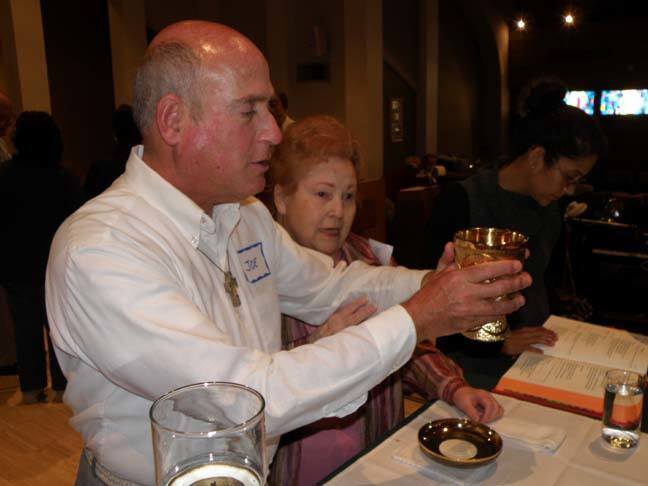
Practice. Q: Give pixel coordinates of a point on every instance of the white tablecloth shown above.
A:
(582, 459)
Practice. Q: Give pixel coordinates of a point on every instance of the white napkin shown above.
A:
(410, 453)
(539, 437)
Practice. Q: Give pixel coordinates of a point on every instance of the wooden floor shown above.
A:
(37, 446)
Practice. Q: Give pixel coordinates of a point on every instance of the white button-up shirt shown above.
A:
(137, 307)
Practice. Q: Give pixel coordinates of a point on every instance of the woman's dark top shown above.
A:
(480, 201)
(34, 201)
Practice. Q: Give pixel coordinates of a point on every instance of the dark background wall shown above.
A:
(459, 85)
(400, 71)
(247, 16)
(77, 46)
(607, 49)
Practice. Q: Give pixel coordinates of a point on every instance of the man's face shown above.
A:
(226, 151)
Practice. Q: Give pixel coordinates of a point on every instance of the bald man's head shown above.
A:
(6, 114)
(182, 58)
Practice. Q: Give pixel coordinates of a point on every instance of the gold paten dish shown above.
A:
(460, 442)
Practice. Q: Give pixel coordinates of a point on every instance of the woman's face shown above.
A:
(550, 182)
(320, 212)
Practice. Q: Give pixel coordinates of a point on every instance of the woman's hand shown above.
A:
(350, 314)
(479, 405)
(523, 339)
(447, 258)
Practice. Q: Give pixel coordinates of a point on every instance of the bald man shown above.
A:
(139, 284)
(6, 120)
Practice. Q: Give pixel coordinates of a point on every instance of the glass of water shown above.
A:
(209, 434)
(622, 406)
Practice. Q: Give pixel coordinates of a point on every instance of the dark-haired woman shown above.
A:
(36, 195)
(555, 145)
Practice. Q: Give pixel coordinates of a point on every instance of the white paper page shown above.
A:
(571, 376)
(601, 345)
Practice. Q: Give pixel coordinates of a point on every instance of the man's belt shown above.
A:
(104, 474)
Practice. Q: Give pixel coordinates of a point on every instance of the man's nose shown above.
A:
(271, 131)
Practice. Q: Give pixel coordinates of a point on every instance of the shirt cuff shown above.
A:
(349, 408)
(417, 279)
(394, 333)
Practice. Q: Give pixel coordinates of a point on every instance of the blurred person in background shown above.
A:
(125, 136)
(36, 195)
(278, 106)
(6, 121)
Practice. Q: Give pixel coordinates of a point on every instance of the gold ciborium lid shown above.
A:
(480, 245)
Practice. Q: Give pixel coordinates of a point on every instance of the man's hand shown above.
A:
(350, 314)
(452, 300)
(479, 405)
(523, 339)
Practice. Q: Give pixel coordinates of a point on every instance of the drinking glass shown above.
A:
(622, 407)
(209, 434)
(479, 245)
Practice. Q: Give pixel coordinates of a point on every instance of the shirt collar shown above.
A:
(184, 213)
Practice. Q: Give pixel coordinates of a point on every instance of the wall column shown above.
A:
(363, 80)
(127, 23)
(278, 39)
(427, 140)
(23, 49)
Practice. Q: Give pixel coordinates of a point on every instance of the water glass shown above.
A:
(622, 407)
(479, 245)
(209, 434)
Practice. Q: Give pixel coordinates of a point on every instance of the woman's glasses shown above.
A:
(570, 179)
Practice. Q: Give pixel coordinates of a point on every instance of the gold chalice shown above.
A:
(479, 245)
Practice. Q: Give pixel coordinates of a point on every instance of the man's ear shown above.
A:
(171, 116)
(279, 196)
(536, 158)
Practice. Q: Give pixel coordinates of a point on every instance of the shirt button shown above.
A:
(194, 241)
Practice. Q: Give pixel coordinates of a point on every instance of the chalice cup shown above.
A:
(479, 245)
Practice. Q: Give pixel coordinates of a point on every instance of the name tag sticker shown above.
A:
(253, 262)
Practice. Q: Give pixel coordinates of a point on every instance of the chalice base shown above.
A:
(490, 332)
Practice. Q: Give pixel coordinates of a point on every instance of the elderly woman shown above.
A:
(315, 176)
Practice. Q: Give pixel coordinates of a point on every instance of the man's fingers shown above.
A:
(489, 308)
(501, 287)
(491, 270)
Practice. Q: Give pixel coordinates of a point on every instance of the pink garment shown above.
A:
(328, 444)
(310, 453)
